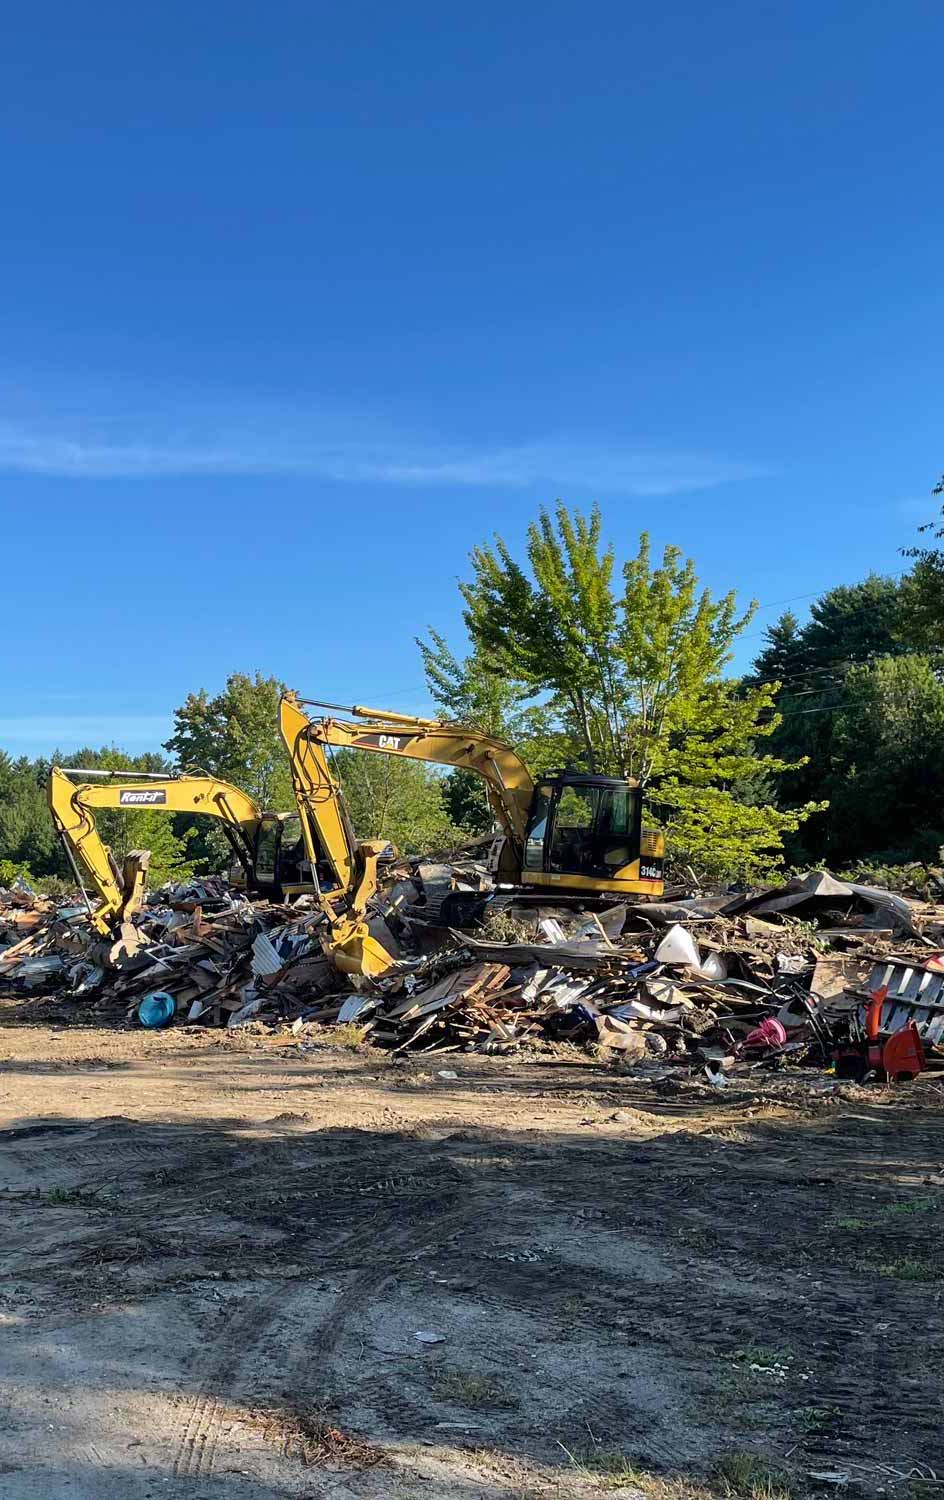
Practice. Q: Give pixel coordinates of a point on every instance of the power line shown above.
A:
(793, 599)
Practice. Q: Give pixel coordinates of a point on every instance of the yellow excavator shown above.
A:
(312, 851)
(565, 832)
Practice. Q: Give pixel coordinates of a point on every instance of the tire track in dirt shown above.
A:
(233, 1346)
(89, 1149)
(395, 1245)
(239, 1341)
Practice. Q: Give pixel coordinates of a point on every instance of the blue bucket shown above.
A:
(157, 1009)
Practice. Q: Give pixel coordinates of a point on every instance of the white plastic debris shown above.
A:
(792, 963)
(551, 930)
(678, 947)
(713, 966)
(429, 1338)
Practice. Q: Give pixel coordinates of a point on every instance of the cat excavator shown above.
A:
(312, 851)
(564, 832)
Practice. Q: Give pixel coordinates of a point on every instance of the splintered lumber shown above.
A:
(465, 984)
(458, 994)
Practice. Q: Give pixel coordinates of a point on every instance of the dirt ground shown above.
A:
(225, 1258)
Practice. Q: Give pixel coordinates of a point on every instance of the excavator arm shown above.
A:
(120, 893)
(330, 839)
(507, 779)
(326, 829)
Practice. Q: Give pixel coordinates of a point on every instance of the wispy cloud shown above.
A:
(257, 447)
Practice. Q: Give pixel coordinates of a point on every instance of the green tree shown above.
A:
(923, 587)
(466, 803)
(855, 623)
(235, 735)
(168, 837)
(784, 655)
(850, 627)
(27, 836)
(475, 691)
(628, 674)
(399, 800)
(886, 783)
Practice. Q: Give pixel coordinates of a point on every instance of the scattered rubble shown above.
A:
(842, 976)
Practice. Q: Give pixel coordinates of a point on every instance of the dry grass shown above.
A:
(905, 1268)
(502, 927)
(315, 1440)
(474, 1391)
(737, 1476)
(350, 1036)
(744, 1476)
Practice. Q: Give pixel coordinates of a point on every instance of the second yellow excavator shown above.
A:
(566, 831)
(312, 851)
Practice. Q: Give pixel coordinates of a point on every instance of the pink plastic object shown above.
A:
(770, 1033)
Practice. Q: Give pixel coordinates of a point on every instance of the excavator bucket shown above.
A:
(361, 955)
(356, 946)
(134, 882)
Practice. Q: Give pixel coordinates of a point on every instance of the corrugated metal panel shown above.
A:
(265, 960)
(914, 994)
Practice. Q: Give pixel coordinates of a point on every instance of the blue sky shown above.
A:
(300, 302)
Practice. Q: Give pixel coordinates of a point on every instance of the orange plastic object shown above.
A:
(873, 1013)
(903, 1054)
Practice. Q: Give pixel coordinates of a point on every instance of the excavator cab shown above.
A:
(277, 839)
(282, 867)
(586, 832)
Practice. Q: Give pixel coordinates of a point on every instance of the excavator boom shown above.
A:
(571, 830)
(508, 781)
(342, 873)
(120, 893)
(330, 841)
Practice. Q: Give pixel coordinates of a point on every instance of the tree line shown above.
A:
(828, 749)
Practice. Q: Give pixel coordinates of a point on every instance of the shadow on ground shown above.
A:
(230, 1289)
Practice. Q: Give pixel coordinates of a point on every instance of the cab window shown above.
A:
(595, 830)
(616, 827)
(572, 847)
(536, 832)
(267, 849)
(291, 856)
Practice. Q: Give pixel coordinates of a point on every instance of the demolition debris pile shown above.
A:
(819, 970)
